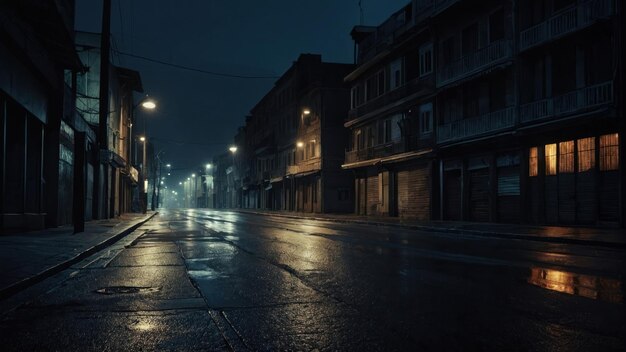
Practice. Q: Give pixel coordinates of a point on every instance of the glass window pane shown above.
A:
(586, 154)
(566, 157)
(550, 159)
(533, 162)
(609, 152)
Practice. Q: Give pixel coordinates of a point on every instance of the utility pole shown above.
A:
(102, 137)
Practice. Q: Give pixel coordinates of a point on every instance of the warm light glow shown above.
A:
(149, 104)
(142, 138)
(233, 149)
(306, 111)
(145, 186)
(300, 144)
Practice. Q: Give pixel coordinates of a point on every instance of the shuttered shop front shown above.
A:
(414, 192)
(372, 195)
(508, 202)
(478, 170)
(452, 191)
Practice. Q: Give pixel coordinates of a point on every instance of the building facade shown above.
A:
(390, 120)
(37, 120)
(502, 111)
(116, 161)
(293, 142)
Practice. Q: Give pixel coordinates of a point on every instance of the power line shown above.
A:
(188, 68)
(173, 141)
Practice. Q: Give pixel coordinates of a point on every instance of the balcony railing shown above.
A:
(304, 166)
(572, 102)
(475, 126)
(566, 21)
(425, 84)
(474, 62)
(379, 151)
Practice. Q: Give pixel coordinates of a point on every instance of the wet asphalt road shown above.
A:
(211, 280)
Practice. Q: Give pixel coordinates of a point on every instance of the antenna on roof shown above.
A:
(361, 12)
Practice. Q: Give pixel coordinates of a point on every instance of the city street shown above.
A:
(199, 279)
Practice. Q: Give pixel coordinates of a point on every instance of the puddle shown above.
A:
(205, 274)
(588, 286)
(115, 290)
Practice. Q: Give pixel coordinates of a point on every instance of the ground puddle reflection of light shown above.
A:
(142, 325)
(205, 274)
(589, 286)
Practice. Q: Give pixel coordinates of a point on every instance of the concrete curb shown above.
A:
(493, 234)
(30, 281)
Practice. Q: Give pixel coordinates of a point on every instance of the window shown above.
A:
(426, 118)
(356, 95)
(533, 162)
(550, 159)
(496, 26)
(586, 154)
(447, 51)
(469, 39)
(381, 81)
(426, 59)
(395, 70)
(609, 152)
(566, 157)
(388, 128)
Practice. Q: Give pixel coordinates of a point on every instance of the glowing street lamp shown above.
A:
(149, 104)
(299, 144)
(208, 166)
(233, 149)
(306, 111)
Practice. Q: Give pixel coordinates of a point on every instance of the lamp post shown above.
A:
(206, 184)
(233, 150)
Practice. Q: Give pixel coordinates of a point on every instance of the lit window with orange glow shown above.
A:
(566, 157)
(550, 159)
(586, 154)
(609, 152)
(533, 162)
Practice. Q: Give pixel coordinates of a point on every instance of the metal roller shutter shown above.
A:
(509, 194)
(372, 195)
(414, 192)
(479, 195)
(452, 195)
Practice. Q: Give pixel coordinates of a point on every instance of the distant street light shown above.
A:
(232, 149)
(299, 144)
(169, 165)
(306, 111)
(208, 166)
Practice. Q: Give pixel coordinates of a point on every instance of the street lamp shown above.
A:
(299, 144)
(233, 149)
(148, 104)
(208, 166)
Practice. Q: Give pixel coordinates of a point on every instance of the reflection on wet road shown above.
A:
(277, 283)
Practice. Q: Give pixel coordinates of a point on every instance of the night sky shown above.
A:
(198, 114)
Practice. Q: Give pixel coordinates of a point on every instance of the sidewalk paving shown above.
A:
(606, 237)
(27, 258)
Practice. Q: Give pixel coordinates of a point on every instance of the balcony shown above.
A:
(305, 166)
(422, 84)
(475, 62)
(576, 101)
(569, 20)
(379, 151)
(476, 126)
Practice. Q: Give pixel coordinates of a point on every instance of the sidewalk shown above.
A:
(27, 258)
(605, 237)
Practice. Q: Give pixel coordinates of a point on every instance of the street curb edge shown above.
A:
(32, 280)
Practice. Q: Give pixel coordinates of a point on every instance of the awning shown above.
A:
(276, 179)
(387, 160)
(304, 174)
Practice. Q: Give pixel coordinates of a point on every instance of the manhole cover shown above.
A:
(115, 290)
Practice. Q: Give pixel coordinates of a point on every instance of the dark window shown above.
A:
(496, 26)
(469, 42)
(447, 50)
